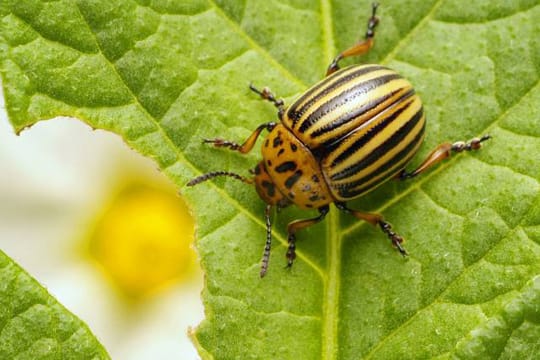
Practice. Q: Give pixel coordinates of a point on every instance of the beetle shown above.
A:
(349, 133)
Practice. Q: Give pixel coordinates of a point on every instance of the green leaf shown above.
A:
(33, 325)
(164, 75)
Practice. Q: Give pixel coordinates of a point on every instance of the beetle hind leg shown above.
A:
(361, 47)
(442, 152)
(376, 219)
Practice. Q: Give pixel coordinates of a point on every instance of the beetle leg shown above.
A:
(296, 225)
(361, 47)
(266, 94)
(441, 152)
(376, 219)
(247, 145)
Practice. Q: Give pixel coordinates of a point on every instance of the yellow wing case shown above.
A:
(364, 123)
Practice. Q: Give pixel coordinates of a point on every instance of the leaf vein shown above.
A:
(264, 313)
(405, 39)
(256, 46)
(488, 21)
(436, 299)
(439, 169)
(181, 159)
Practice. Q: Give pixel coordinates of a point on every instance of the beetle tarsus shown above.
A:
(218, 142)
(396, 239)
(267, 94)
(376, 219)
(473, 144)
(373, 21)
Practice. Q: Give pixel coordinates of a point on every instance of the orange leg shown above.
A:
(376, 219)
(247, 145)
(361, 47)
(441, 152)
(296, 225)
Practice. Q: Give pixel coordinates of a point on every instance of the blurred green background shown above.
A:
(104, 232)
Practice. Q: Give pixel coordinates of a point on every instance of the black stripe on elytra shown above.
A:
(294, 113)
(291, 180)
(364, 139)
(348, 94)
(360, 111)
(351, 189)
(382, 149)
(286, 166)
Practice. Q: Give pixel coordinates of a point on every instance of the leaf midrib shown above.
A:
(330, 310)
(330, 313)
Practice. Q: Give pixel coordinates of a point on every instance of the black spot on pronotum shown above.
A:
(281, 151)
(269, 163)
(294, 147)
(291, 180)
(266, 143)
(286, 166)
(270, 188)
(277, 141)
(315, 178)
(314, 198)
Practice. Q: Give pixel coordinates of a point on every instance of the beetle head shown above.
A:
(264, 185)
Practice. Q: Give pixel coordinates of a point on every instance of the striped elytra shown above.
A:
(341, 138)
(363, 123)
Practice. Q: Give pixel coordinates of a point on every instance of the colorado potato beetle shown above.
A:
(346, 135)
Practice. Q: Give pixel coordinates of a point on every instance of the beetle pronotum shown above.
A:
(346, 135)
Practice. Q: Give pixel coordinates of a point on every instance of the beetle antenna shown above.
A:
(213, 174)
(268, 244)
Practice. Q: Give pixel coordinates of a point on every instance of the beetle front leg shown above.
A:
(441, 152)
(361, 47)
(296, 225)
(247, 145)
(376, 219)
